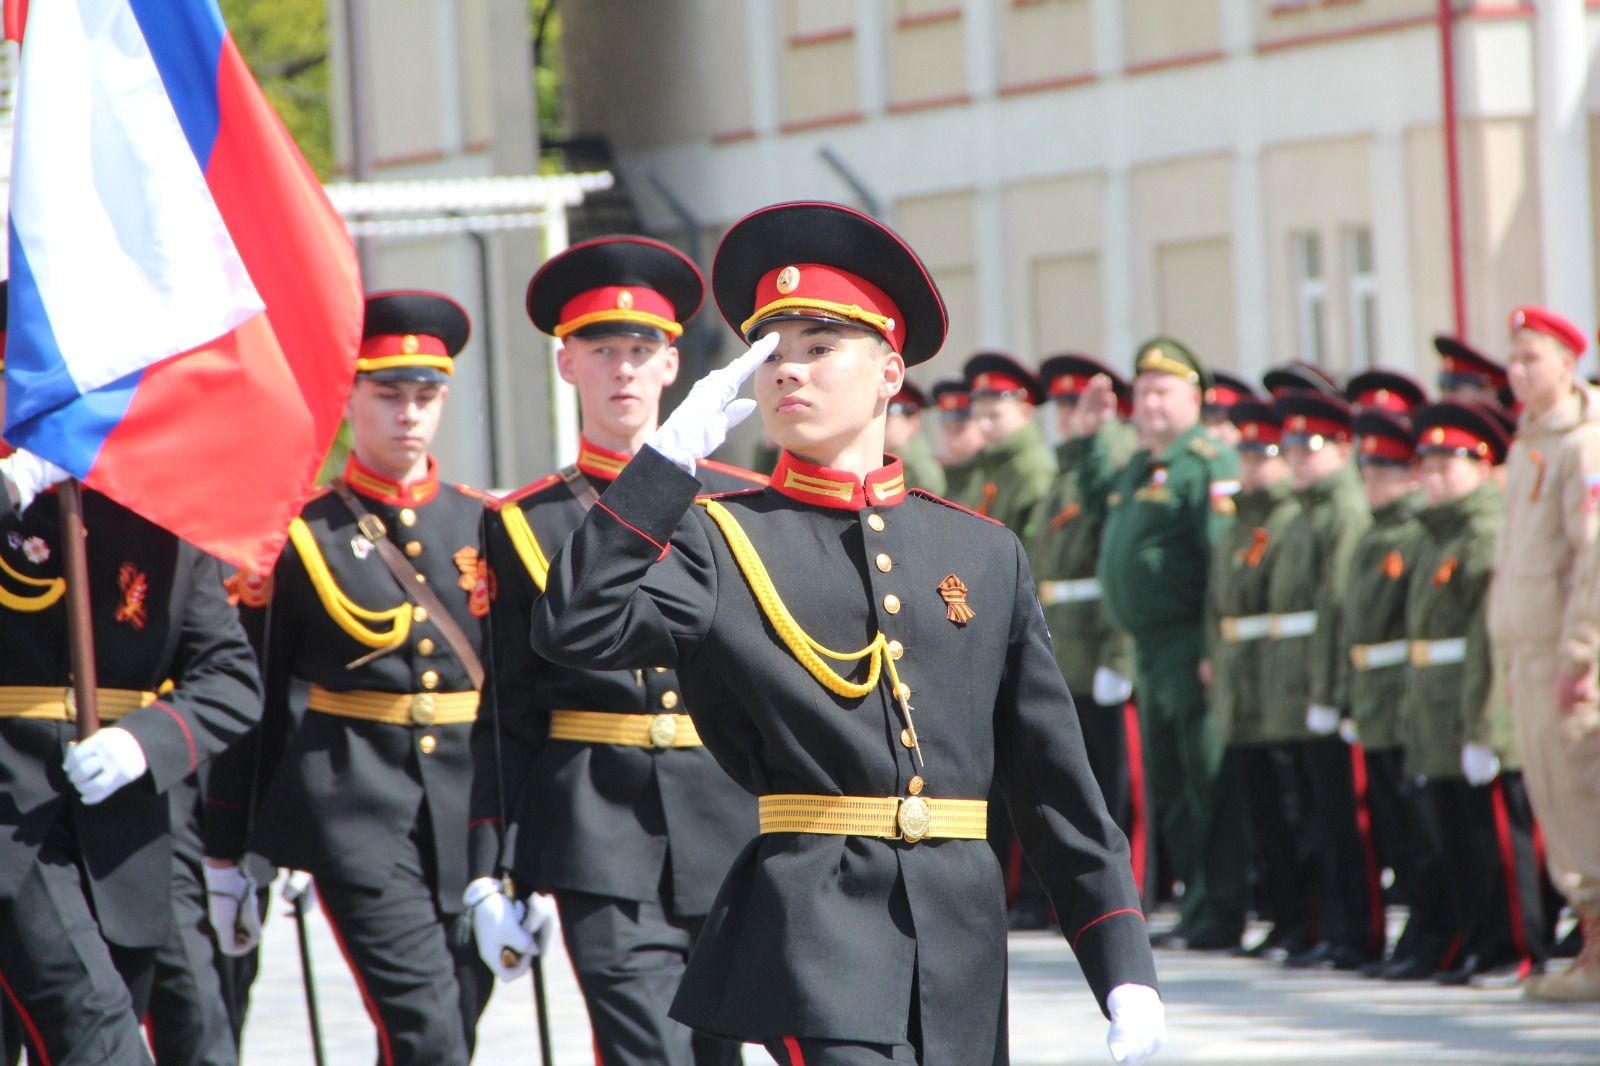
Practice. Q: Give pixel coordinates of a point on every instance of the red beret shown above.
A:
(1551, 324)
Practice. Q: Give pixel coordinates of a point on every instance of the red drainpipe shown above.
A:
(1452, 165)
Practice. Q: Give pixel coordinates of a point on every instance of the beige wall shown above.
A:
(927, 59)
(1276, 22)
(819, 76)
(1045, 40)
(1183, 267)
(940, 228)
(407, 124)
(1053, 236)
(1164, 29)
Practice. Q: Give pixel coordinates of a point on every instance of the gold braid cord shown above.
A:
(51, 588)
(526, 543)
(349, 615)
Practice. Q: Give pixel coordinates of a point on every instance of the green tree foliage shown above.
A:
(544, 28)
(285, 42)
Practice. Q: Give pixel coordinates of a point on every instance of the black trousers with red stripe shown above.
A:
(1487, 834)
(1116, 757)
(1348, 891)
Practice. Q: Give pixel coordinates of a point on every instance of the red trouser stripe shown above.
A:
(1013, 872)
(1369, 850)
(792, 1046)
(1508, 861)
(385, 1052)
(1138, 845)
(27, 1021)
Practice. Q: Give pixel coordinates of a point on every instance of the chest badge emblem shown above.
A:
(954, 593)
(360, 546)
(135, 588)
(35, 550)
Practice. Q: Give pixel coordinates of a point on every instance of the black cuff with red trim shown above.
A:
(1114, 950)
(168, 743)
(651, 496)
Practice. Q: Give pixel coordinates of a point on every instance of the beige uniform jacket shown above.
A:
(1546, 593)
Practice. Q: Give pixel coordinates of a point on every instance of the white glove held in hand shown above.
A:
(496, 927)
(29, 475)
(1348, 731)
(231, 903)
(1323, 721)
(105, 762)
(540, 922)
(712, 408)
(1111, 689)
(299, 890)
(1479, 763)
(1138, 1023)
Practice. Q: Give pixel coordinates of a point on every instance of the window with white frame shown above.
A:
(1311, 294)
(1361, 283)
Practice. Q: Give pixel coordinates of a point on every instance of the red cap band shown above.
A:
(1310, 425)
(1260, 433)
(391, 344)
(1385, 400)
(993, 381)
(1068, 384)
(827, 291)
(1456, 439)
(1377, 446)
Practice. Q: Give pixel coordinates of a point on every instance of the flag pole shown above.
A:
(80, 627)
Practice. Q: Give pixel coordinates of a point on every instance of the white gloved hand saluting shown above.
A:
(497, 929)
(1479, 763)
(1138, 1024)
(27, 475)
(231, 904)
(1110, 688)
(104, 762)
(1322, 720)
(712, 408)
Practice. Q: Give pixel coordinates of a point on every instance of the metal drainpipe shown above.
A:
(869, 197)
(1452, 163)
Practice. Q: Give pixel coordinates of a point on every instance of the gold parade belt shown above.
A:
(1366, 657)
(397, 708)
(1245, 627)
(1293, 624)
(908, 818)
(1081, 590)
(1446, 652)
(58, 703)
(629, 730)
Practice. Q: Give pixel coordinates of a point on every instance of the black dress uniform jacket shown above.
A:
(339, 793)
(160, 614)
(827, 936)
(599, 818)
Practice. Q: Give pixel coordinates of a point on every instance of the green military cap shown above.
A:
(1163, 355)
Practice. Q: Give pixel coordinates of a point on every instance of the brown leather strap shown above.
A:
(411, 581)
(580, 486)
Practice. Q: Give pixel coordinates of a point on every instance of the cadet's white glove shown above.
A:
(712, 408)
(1323, 721)
(27, 475)
(1138, 1023)
(1111, 689)
(105, 762)
(1479, 763)
(299, 890)
(497, 928)
(540, 922)
(1348, 731)
(231, 903)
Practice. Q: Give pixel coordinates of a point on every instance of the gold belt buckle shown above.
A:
(1230, 630)
(914, 818)
(1359, 656)
(422, 709)
(663, 730)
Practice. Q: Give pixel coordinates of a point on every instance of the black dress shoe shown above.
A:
(1310, 959)
(1470, 966)
(1344, 957)
(1410, 968)
(1567, 947)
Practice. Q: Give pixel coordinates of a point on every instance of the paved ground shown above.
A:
(1219, 1010)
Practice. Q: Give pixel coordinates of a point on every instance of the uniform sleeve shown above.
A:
(216, 696)
(1477, 675)
(635, 583)
(1580, 625)
(1328, 651)
(1091, 457)
(1059, 812)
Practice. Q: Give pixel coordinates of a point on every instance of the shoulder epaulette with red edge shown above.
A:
(732, 493)
(523, 493)
(468, 490)
(735, 471)
(925, 494)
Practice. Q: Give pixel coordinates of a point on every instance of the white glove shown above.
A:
(1479, 763)
(1111, 689)
(712, 408)
(1138, 1023)
(299, 890)
(105, 762)
(1348, 732)
(231, 902)
(27, 475)
(1323, 721)
(497, 929)
(540, 922)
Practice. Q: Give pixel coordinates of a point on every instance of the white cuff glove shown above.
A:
(712, 408)
(299, 890)
(27, 475)
(105, 762)
(1323, 721)
(1111, 689)
(497, 929)
(1348, 732)
(1479, 763)
(1138, 1023)
(231, 903)
(540, 922)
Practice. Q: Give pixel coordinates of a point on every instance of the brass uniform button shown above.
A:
(408, 517)
(883, 563)
(427, 744)
(413, 548)
(914, 786)
(907, 739)
(891, 603)
(425, 646)
(896, 649)
(902, 691)
(430, 679)
(876, 522)
(419, 614)
(659, 669)
(422, 709)
(422, 579)
(663, 730)
(669, 699)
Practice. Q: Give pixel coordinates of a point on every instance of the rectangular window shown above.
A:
(1362, 285)
(1311, 295)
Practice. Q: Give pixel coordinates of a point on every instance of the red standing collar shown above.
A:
(822, 486)
(599, 462)
(374, 485)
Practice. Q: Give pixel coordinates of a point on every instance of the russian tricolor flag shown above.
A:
(185, 305)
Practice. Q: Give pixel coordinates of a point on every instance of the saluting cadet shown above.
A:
(1095, 656)
(903, 438)
(612, 802)
(1163, 509)
(1017, 465)
(1460, 742)
(86, 848)
(1216, 407)
(961, 440)
(1544, 618)
(1238, 623)
(869, 661)
(374, 645)
(1303, 669)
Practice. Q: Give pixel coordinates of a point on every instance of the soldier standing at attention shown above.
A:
(1162, 511)
(960, 439)
(903, 438)
(1017, 465)
(375, 635)
(870, 661)
(1216, 410)
(1237, 625)
(1095, 656)
(1544, 618)
(612, 802)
